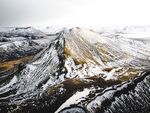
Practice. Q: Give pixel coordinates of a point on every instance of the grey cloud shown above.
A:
(19, 12)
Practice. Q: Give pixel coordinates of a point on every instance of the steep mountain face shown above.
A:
(75, 70)
(32, 80)
(88, 46)
(107, 54)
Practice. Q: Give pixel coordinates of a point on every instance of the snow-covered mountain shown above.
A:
(74, 70)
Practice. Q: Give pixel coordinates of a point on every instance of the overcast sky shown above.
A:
(74, 12)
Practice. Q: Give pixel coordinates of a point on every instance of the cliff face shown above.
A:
(75, 70)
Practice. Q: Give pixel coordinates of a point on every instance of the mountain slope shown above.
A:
(77, 70)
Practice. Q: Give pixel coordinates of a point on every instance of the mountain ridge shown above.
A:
(73, 62)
